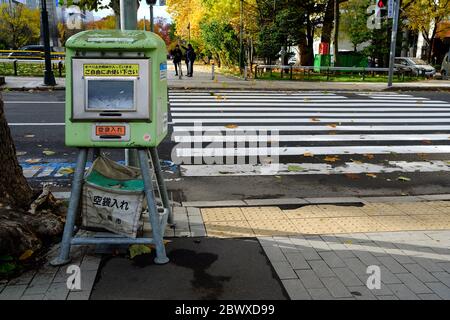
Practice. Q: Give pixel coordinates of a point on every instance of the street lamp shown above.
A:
(151, 3)
(49, 77)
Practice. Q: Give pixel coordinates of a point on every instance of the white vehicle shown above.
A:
(445, 67)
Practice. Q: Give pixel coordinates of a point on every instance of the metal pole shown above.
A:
(128, 21)
(336, 33)
(161, 257)
(393, 41)
(152, 28)
(75, 195)
(49, 77)
(161, 182)
(241, 30)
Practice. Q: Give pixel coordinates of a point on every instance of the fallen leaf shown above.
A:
(48, 152)
(21, 153)
(28, 253)
(369, 156)
(372, 175)
(332, 132)
(426, 142)
(315, 120)
(331, 159)
(219, 97)
(66, 171)
(231, 126)
(357, 161)
(401, 178)
(294, 168)
(138, 249)
(308, 154)
(33, 160)
(29, 136)
(333, 125)
(352, 176)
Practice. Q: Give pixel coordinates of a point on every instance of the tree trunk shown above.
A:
(14, 188)
(327, 27)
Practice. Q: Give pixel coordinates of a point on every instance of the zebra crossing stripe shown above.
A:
(308, 138)
(321, 127)
(317, 119)
(313, 168)
(289, 151)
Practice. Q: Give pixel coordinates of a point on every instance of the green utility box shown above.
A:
(116, 89)
(321, 60)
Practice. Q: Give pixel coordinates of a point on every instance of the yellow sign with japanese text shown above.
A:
(111, 70)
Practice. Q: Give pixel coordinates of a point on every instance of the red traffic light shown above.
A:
(380, 4)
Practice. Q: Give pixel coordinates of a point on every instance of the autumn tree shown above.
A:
(424, 16)
(19, 25)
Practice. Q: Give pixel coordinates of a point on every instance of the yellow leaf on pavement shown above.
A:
(315, 120)
(331, 159)
(28, 253)
(332, 125)
(231, 126)
(48, 152)
(308, 154)
(369, 156)
(372, 175)
(138, 249)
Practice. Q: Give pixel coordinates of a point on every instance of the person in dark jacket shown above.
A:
(190, 58)
(177, 55)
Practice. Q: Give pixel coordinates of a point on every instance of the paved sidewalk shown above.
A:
(202, 79)
(412, 265)
(50, 283)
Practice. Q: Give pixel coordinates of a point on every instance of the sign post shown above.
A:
(396, 5)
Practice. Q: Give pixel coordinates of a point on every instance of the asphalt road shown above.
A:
(36, 120)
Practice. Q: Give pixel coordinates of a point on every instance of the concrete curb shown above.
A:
(311, 201)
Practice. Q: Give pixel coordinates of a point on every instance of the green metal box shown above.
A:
(116, 89)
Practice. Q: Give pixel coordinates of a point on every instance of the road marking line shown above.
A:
(308, 120)
(313, 168)
(37, 124)
(315, 128)
(205, 109)
(303, 138)
(348, 103)
(308, 114)
(290, 151)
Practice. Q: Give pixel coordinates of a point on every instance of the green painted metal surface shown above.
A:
(97, 44)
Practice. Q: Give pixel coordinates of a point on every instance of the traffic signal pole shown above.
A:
(393, 41)
(49, 77)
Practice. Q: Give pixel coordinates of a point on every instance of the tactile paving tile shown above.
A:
(305, 212)
(412, 208)
(442, 206)
(359, 224)
(222, 214)
(434, 221)
(273, 227)
(263, 213)
(229, 229)
(317, 225)
(342, 211)
(381, 209)
(399, 223)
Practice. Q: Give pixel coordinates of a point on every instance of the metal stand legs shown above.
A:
(73, 209)
(157, 221)
(161, 183)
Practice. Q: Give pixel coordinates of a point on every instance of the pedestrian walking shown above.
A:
(177, 55)
(190, 59)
